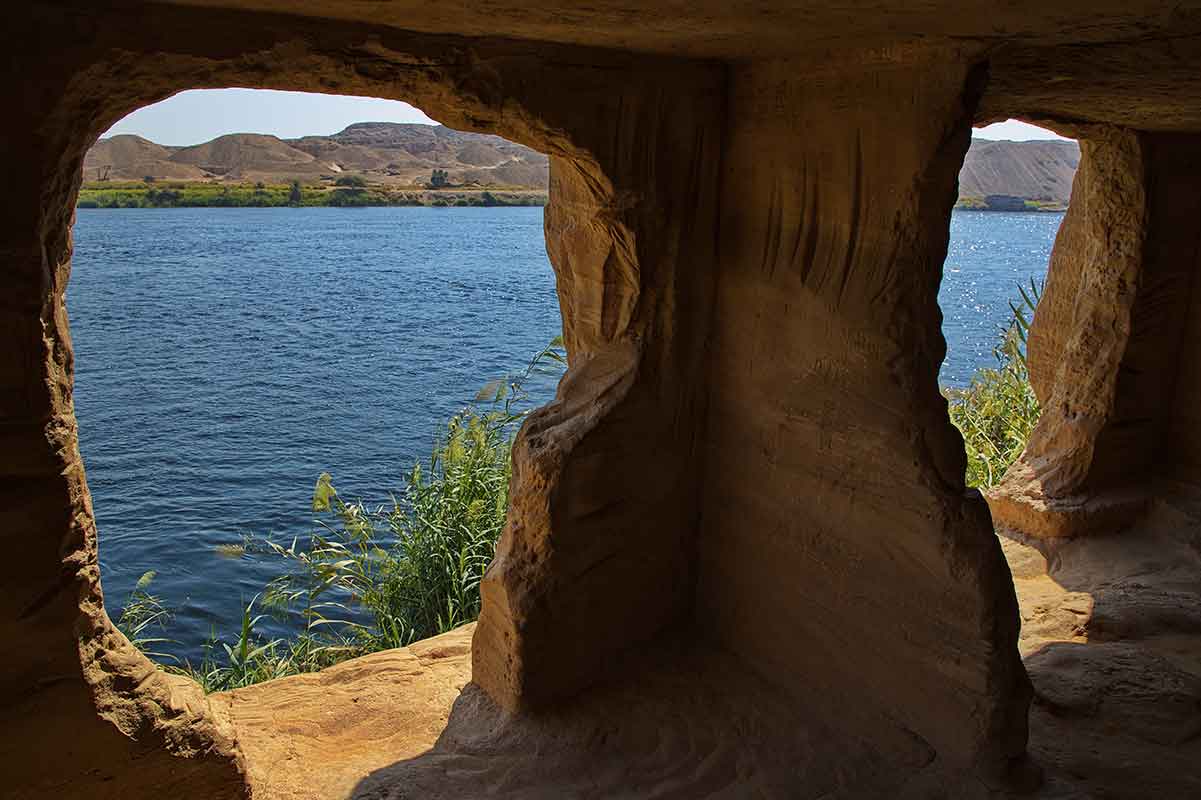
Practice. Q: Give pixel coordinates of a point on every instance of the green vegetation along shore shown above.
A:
(199, 194)
(182, 194)
(995, 202)
(997, 411)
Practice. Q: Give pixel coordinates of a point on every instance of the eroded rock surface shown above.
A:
(1109, 634)
(1107, 351)
(825, 351)
(319, 735)
(677, 719)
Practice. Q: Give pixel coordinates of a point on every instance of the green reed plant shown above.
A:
(369, 579)
(248, 660)
(998, 410)
(372, 579)
(143, 612)
(445, 532)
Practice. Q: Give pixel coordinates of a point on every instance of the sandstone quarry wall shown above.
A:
(597, 551)
(1135, 442)
(835, 512)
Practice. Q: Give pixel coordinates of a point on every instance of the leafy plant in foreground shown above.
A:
(142, 612)
(247, 661)
(374, 579)
(998, 410)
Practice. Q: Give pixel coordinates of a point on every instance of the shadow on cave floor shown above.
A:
(686, 722)
(1111, 637)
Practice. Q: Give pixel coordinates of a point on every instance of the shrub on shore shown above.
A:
(998, 410)
(349, 191)
(373, 579)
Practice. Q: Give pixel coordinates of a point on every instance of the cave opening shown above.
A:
(1014, 188)
(748, 237)
(367, 306)
(1079, 412)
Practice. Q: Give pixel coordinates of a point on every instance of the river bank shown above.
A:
(182, 194)
(1008, 203)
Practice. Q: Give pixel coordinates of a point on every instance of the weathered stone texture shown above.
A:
(1078, 340)
(770, 28)
(604, 490)
(835, 511)
(1145, 81)
(634, 198)
(1136, 439)
(1106, 344)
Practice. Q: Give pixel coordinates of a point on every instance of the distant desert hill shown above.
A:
(250, 156)
(382, 152)
(406, 154)
(132, 157)
(1039, 170)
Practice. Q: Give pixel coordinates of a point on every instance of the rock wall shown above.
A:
(1106, 344)
(835, 513)
(596, 556)
(1136, 439)
(1176, 240)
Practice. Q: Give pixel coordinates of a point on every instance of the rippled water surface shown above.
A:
(989, 255)
(226, 357)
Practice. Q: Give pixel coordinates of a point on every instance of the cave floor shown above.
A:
(405, 725)
(1111, 637)
(315, 736)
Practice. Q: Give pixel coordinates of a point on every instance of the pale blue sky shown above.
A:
(199, 115)
(1017, 131)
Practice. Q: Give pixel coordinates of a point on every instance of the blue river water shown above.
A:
(226, 357)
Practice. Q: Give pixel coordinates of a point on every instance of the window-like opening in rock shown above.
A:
(253, 310)
(1014, 189)
(1103, 557)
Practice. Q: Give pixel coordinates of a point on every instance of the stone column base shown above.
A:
(1020, 503)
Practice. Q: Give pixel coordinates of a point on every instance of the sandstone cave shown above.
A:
(740, 559)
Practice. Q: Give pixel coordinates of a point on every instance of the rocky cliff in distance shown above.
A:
(1039, 171)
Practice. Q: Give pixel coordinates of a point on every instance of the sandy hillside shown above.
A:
(379, 151)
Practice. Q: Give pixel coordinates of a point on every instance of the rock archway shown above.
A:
(614, 159)
(1109, 344)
